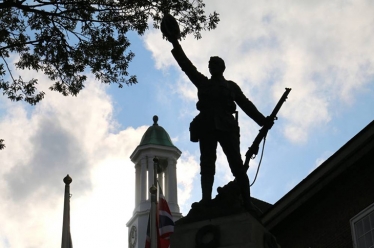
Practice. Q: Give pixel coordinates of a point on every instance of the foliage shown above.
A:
(2, 145)
(65, 39)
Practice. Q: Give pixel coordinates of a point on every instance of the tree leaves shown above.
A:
(2, 145)
(65, 38)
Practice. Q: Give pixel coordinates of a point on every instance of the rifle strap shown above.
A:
(259, 163)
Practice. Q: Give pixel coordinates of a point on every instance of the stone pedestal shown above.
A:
(234, 231)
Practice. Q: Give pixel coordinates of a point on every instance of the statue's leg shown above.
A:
(208, 156)
(230, 144)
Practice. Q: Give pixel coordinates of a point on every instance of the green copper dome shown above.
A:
(156, 135)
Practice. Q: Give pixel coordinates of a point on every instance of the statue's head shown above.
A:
(216, 66)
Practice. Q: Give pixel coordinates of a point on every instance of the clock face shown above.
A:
(132, 237)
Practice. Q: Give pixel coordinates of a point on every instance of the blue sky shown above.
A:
(323, 51)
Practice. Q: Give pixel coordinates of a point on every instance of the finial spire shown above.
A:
(155, 120)
(67, 180)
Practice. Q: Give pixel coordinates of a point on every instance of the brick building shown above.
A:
(333, 206)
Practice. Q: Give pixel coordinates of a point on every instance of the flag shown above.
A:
(165, 222)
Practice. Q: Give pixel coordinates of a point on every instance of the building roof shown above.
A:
(346, 156)
(260, 205)
(156, 135)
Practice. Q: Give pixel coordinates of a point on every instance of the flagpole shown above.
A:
(66, 236)
(153, 191)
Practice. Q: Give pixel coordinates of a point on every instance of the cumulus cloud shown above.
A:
(187, 170)
(320, 160)
(66, 135)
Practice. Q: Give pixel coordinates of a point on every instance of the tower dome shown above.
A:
(156, 135)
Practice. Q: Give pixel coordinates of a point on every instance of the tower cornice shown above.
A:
(151, 150)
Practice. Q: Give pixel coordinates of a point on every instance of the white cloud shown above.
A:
(187, 170)
(66, 135)
(159, 50)
(321, 160)
(186, 89)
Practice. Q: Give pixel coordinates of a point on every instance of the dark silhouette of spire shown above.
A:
(66, 236)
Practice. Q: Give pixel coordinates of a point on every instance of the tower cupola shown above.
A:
(155, 142)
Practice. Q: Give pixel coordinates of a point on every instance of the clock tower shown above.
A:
(155, 142)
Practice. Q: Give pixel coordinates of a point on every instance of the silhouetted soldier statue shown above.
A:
(216, 122)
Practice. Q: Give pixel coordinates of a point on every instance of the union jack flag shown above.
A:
(165, 224)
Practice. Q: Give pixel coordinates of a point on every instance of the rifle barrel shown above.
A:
(253, 150)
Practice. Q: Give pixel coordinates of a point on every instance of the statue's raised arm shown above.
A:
(170, 30)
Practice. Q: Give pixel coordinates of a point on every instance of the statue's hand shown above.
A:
(170, 29)
(269, 122)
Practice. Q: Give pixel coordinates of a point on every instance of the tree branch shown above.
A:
(25, 43)
(6, 63)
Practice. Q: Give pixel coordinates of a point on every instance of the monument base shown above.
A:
(233, 231)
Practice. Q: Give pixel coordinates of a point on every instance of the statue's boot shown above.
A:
(206, 189)
(243, 182)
